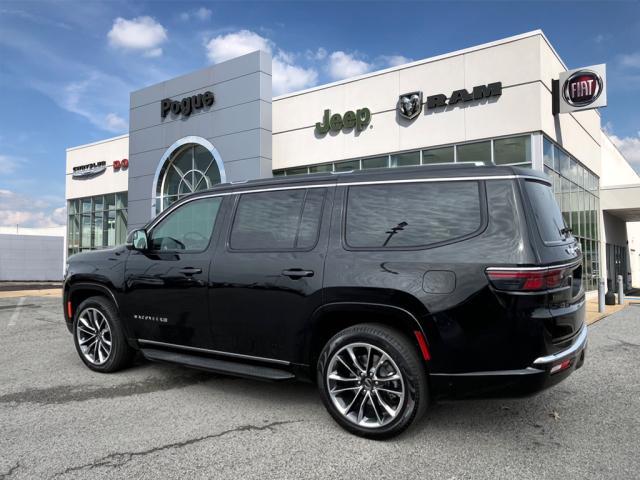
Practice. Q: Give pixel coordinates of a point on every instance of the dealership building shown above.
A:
(488, 104)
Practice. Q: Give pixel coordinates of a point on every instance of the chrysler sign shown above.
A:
(582, 89)
(89, 170)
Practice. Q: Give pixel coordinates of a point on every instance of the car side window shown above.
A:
(277, 220)
(188, 228)
(412, 215)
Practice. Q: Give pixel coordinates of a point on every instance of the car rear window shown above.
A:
(412, 215)
(546, 211)
(277, 220)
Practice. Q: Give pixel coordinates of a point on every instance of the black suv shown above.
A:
(388, 288)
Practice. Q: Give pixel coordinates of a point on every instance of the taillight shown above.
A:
(529, 280)
(559, 367)
(422, 343)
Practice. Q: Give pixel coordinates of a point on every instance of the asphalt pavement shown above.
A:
(60, 420)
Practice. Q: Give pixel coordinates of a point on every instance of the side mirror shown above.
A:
(137, 240)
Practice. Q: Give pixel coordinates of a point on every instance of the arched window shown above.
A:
(188, 168)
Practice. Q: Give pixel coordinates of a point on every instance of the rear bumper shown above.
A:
(543, 373)
(578, 345)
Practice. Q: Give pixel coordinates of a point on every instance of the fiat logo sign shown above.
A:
(582, 88)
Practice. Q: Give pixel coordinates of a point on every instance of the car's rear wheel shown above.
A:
(98, 336)
(372, 381)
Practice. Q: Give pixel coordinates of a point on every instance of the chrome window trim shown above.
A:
(216, 352)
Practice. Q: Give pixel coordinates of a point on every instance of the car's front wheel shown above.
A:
(372, 381)
(98, 336)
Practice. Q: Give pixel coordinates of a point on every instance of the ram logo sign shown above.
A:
(410, 105)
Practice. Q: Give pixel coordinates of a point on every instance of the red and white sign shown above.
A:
(121, 164)
(583, 89)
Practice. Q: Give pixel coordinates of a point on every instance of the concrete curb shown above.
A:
(51, 292)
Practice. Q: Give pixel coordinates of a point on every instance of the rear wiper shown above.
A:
(565, 231)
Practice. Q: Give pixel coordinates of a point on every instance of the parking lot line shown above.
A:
(16, 312)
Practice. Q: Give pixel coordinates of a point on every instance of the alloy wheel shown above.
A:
(365, 385)
(94, 336)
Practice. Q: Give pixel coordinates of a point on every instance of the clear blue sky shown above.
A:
(66, 68)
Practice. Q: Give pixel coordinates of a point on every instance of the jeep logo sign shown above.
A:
(582, 89)
(336, 122)
(187, 105)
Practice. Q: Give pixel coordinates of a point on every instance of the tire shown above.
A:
(105, 360)
(368, 343)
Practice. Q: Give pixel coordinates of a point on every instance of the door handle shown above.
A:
(190, 270)
(296, 273)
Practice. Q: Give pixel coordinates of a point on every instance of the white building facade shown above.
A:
(489, 104)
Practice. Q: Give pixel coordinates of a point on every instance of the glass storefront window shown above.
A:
(575, 188)
(121, 200)
(405, 159)
(98, 203)
(98, 227)
(297, 171)
(547, 153)
(327, 167)
(190, 168)
(563, 163)
(110, 227)
(474, 152)
(121, 226)
(438, 155)
(96, 222)
(110, 202)
(85, 226)
(375, 162)
(512, 150)
(346, 166)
